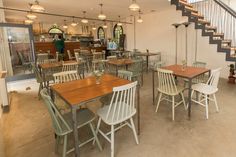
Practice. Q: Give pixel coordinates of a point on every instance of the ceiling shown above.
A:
(112, 8)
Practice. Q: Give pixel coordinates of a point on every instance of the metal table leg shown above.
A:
(153, 86)
(75, 131)
(189, 97)
(147, 59)
(138, 108)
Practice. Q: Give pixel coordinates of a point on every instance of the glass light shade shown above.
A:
(31, 16)
(102, 16)
(104, 26)
(94, 28)
(84, 21)
(65, 26)
(134, 6)
(119, 24)
(36, 7)
(28, 21)
(140, 20)
(73, 24)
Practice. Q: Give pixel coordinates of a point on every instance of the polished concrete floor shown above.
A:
(27, 129)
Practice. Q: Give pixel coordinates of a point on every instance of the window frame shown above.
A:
(98, 35)
(114, 32)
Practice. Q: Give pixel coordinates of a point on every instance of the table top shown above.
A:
(120, 62)
(189, 72)
(79, 91)
(55, 64)
(3, 74)
(148, 54)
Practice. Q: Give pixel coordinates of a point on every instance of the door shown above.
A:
(16, 50)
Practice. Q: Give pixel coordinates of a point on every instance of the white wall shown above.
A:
(157, 34)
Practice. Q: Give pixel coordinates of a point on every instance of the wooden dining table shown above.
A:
(80, 92)
(188, 73)
(119, 63)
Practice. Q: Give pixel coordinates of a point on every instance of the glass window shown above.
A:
(101, 33)
(118, 30)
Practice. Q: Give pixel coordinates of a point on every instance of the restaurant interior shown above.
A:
(133, 78)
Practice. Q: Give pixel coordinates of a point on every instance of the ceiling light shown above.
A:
(140, 20)
(105, 25)
(65, 25)
(74, 23)
(84, 20)
(101, 16)
(31, 16)
(94, 27)
(119, 23)
(36, 7)
(134, 6)
(28, 21)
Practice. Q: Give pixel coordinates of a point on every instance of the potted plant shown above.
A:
(231, 74)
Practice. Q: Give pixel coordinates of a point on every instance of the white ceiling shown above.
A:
(112, 8)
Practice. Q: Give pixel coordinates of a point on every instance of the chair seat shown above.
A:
(179, 90)
(102, 112)
(84, 117)
(205, 88)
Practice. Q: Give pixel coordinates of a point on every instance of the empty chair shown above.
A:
(70, 55)
(120, 112)
(167, 87)
(207, 90)
(65, 76)
(41, 57)
(70, 66)
(125, 74)
(137, 69)
(26, 64)
(77, 50)
(98, 57)
(62, 124)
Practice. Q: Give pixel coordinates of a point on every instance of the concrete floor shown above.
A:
(27, 129)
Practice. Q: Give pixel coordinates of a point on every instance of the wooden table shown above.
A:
(120, 62)
(189, 73)
(44, 67)
(79, 92)
(147, 55)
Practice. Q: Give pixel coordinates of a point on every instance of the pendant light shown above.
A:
(73, 23)
(104, 25)
(36, 7)
(119, 23)
(134, 6)
(94, 27)
(139, 20)
(101, 16)
(84, 20)
(28, 21)
(31, 16)
(65, 25)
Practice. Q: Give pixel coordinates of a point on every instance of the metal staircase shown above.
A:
(215, 19)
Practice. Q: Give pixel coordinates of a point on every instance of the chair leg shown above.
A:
(112, 141)
(185, 106)
(57, 143)
(40, 87)
(95, 136)
(173, 108)
(206, 105)
(159, 100)
(134, 130)
(217, 108)
(98, 125)
(64, 146)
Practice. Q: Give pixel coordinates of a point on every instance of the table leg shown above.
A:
(153, 87)
(189, 97)
(75, 131)
(147, 59)
(138, 108)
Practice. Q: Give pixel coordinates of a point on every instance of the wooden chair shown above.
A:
(65, 76)
(70, 55)
(62, 124)
(128, 75)
(119, 112)
(41, 57)
(98, 58)
(70, 66)
(26, 64)
(206, 90)
(167, 86)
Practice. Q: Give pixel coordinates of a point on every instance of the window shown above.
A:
(101, 33)
(117, 31)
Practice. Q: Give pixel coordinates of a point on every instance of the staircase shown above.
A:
(215, 19)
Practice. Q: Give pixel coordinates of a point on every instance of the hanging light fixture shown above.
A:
(84, 20)
(36, 7)
(101, 16)
(94, 27)
(74, 23)
(31, 16)
(104, 25)
(134, 6)
(140, 20)
(28, 21)
(65, 25)
(119, 23)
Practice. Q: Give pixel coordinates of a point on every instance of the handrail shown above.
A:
(226, 7)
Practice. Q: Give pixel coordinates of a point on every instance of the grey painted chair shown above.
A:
(26, 65)
(62, 124)
(125, 74)
(137, 69)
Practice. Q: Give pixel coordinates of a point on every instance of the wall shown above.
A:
(157, 34)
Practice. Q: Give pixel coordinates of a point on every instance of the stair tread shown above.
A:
(218, 34)
(211, 27)
(203, 21)
(229, 48)
(185, 3)
(226, 41)
(197, 15)
(190, 9)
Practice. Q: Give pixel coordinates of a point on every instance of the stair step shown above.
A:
(197, 15)
(229, 48)
(218, 34)
(226, 41)
(233, 55)
(190, 9)
(185, 3)
(210, 28)
(202, 21)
